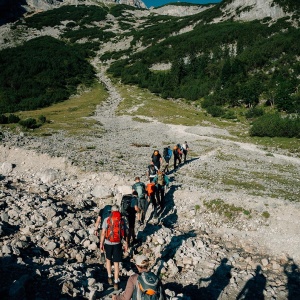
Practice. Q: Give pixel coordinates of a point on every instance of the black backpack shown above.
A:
(126, 204)
(165, 152)
(148, 287)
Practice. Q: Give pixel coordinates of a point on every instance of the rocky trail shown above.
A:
(50, 194)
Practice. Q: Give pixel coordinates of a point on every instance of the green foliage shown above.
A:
(230, 211)
(215, 111)
(3, 119)
(81, 15)
(266, 214)
(41, 72)
(42, 119)
(234, 63)
(117, 10)
(10, 119)
(88, 33)
(29, 123)
(254, 112)
(273, 125)
(13, 119)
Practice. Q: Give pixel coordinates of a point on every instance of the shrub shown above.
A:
(13, 118)
(29, 123)
(254, 112)
(3, 119)
(42, 119)
(273, 125)
(215, 111)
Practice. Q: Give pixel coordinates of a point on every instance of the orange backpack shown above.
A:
(150, 188)
(115, 227)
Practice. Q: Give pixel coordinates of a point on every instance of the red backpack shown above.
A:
(115, 227)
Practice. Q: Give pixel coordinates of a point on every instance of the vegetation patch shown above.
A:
(71, 115)
(230, 211)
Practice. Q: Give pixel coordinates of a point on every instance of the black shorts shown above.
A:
(113, 252)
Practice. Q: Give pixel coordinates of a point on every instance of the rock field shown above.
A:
(51, 191)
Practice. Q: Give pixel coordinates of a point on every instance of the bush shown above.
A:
(254, 112)
(42, 119)
(29, 123)
(273, 125)
(215, 111)
(13, 119)
(3, 119)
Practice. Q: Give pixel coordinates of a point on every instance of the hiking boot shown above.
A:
(110, 280)
(116, 286)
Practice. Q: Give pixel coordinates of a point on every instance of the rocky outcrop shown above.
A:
(180, 10)
(249, 10)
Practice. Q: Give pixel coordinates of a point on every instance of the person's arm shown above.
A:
(102, 238)
(98, 222)
(127, 294)
(167, 180)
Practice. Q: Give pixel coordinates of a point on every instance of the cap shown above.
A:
(141, 260)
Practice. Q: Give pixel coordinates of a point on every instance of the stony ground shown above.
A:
(51, 189)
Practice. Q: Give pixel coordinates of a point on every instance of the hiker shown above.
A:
(151, 172)
(129, 208)
(142, 201)
(103, 214)
(185, 149)
(113, 231)
(177, 156)
(162, 181)
(167, 154)
(151, 194)
(156, 159)
(145, 283)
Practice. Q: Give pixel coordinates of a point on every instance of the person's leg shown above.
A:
(108, 251)
(117, 258)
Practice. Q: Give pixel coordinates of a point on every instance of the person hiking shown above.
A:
(103, 214)
(177, 156)
(185, 150)
(156, 158)
(162, 181)
(151, 194)
(113, 231)
(131, 218)
(151, 172)
(142, 285)
(142, 201)
(167, 154)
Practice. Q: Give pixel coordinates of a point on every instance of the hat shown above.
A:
(141, 260)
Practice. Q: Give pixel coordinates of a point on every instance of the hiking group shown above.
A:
(117, 225)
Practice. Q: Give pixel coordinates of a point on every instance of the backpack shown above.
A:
(106, 211)
(147, 287)
(152, 171)
(115, 227)
(126, 204)
(140, 190)
(150, 188)
(166, 152)
(161, 179)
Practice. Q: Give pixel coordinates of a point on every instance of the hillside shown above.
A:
(112, 83)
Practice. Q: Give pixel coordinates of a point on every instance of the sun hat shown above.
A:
(141, 260)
